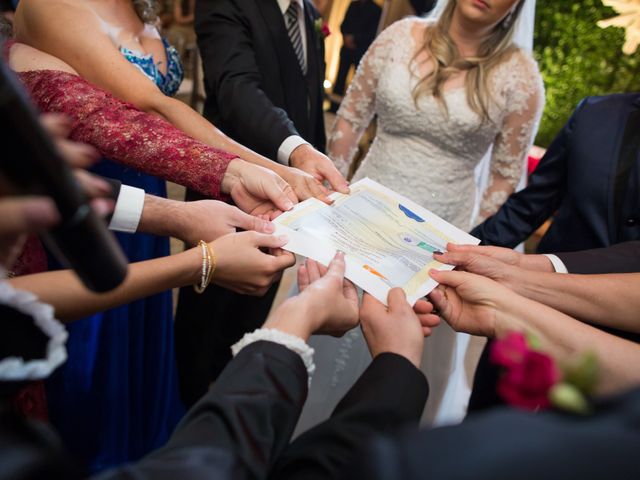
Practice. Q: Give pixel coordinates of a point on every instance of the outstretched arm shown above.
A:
(242, 266)
(510, 148)
(528, 209)
(607, 300)
(358, 107)
(479, 306)
(85, 47)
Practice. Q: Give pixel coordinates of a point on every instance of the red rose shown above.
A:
(325, 30)
(510, 350)
(528, 374)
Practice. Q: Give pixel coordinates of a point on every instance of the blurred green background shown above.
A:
(577, 59)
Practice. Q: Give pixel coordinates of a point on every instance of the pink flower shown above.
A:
(510, 350)
(325, 30)
(528, 375)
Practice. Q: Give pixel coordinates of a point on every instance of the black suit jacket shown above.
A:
(256, 91)
(361, 20)
(508, 444)
(243, 425)
(619, 258)
(579, 176)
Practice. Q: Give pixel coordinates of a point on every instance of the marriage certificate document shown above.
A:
(388, 239)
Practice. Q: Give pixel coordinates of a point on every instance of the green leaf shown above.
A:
(567, 397)
(584, 373)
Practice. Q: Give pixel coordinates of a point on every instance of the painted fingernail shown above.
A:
(437, 252)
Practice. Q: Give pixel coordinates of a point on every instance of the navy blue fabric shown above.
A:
(575, 179)
(116, 399)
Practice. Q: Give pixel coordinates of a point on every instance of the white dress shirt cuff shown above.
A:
(558, 266)
(288, 146)
(128, 211)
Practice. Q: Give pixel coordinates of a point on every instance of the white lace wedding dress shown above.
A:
(429, 155)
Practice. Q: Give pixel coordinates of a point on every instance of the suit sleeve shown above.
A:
(233, 77)
(526, 210)
(506, 444)
(239, 428)
(620, 258)
(389, 395)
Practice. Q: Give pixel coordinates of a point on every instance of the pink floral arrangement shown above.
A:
(532, 380)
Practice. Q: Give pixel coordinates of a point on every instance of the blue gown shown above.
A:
(116, 398)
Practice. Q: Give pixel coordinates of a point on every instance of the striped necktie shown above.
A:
(293, 29)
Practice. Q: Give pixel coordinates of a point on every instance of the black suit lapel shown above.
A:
(274, 20)
(627, 158)
(315, 45)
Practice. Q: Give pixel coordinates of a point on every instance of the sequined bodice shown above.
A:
(168, 83)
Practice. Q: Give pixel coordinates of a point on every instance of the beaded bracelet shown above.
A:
(208, 267)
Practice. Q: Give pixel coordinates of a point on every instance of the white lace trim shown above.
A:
(16, 369)
(293, 343)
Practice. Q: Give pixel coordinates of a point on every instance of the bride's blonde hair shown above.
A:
(447, 61)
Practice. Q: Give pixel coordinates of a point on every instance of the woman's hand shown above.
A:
(471, 303)
(253, 187)
(399, 328)
(243, 267)
(205, 220)
(327, 303)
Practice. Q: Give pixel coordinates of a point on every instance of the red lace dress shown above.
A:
(126, 135)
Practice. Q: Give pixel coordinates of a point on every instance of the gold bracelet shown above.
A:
(208, 266)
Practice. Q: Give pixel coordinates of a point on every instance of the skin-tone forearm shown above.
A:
(564, 338)
(160, 216)
(609, 300)
(192, 123)
(295, 319)
(72, 300)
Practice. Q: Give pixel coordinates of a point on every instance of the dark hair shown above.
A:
(147, 10)
(6, 29)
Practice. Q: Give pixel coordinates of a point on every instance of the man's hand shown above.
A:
(202, 220)
(327, 303)
(308, 159)
(399, 328)
(253, 187)
(243, 267)
(538, 263)
(471, 303)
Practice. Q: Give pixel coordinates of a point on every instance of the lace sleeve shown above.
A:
(358, 107)
(126, 135)
(524, 98)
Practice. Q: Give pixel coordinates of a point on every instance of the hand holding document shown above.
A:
(388, 239)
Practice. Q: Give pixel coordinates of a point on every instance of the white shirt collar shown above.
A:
(284, 4)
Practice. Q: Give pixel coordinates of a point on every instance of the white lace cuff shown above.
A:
(15, 368)
(293, 343)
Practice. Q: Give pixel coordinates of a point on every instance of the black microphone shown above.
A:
(32, 164)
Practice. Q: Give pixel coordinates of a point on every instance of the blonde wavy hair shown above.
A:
(447, 61)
